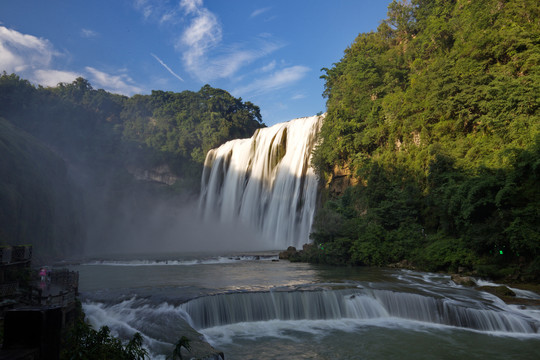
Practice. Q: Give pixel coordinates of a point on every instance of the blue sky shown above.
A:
(267, 52)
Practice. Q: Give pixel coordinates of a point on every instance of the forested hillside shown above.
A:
(38, 202)
(436, 115)
(73, 157)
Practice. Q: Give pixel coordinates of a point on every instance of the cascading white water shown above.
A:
(353, 304)
(265, 182)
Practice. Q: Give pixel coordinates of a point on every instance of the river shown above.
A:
(256, 307)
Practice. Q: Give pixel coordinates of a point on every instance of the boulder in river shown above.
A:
(462, 280)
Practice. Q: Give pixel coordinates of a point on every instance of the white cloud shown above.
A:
(167, 17)
(269, 67)
(145, 7)
(54, 77)
(120, 84)
(167, 67)
(298, 97)
(200, 43)
(258, 12)
(231, 61)
(203, 33)
(33, 58)
(204, 56)
(277, 80)
(20, 52)
(160, 11)
(191, 6)
(87, 33)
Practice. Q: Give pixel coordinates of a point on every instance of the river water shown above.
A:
(256, 307)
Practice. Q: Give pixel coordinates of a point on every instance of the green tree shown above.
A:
(85, 343)
(183, 342)
(437, 115)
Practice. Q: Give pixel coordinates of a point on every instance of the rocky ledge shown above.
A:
(199, 348)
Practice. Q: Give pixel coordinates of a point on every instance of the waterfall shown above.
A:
(265, 182)
(224, 309)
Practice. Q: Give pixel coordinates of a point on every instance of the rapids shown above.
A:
(254, 307)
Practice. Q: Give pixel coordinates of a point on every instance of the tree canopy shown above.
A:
(437, 113)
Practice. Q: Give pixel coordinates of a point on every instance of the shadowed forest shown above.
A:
(83, 167)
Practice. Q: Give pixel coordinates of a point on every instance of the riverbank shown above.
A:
(504, 289)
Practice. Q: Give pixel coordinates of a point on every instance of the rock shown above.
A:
(340, 179)
(161, 174)
(403, 264)
(462, 280)
(499, 291)
(200, 349)
(287, 254)
(308, 247)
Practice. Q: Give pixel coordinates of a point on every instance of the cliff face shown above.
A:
(161, 174)
(339, 180)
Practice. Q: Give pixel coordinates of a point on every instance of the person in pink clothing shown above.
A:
(43, 276)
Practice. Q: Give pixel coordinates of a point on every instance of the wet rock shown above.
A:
(403, 264)
(462, 280)
(199, 348)
(288, 254)
(499, 291)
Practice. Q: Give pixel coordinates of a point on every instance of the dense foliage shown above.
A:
(84, 343)
(186, 125)
(68, 156)
(88, 125)
(437, 113)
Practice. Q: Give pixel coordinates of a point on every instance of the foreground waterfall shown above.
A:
(265, 182)
(263, 309)
(360, 305)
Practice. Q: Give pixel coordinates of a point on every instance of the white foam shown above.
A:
(207, 261)
(295, 330)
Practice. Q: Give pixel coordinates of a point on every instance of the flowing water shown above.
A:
(265, 182)
(255, 307)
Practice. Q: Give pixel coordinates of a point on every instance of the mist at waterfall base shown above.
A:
(256, 194)
(167, 226)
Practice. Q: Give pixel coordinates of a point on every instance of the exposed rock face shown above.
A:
(161, 174)
(340, 179)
